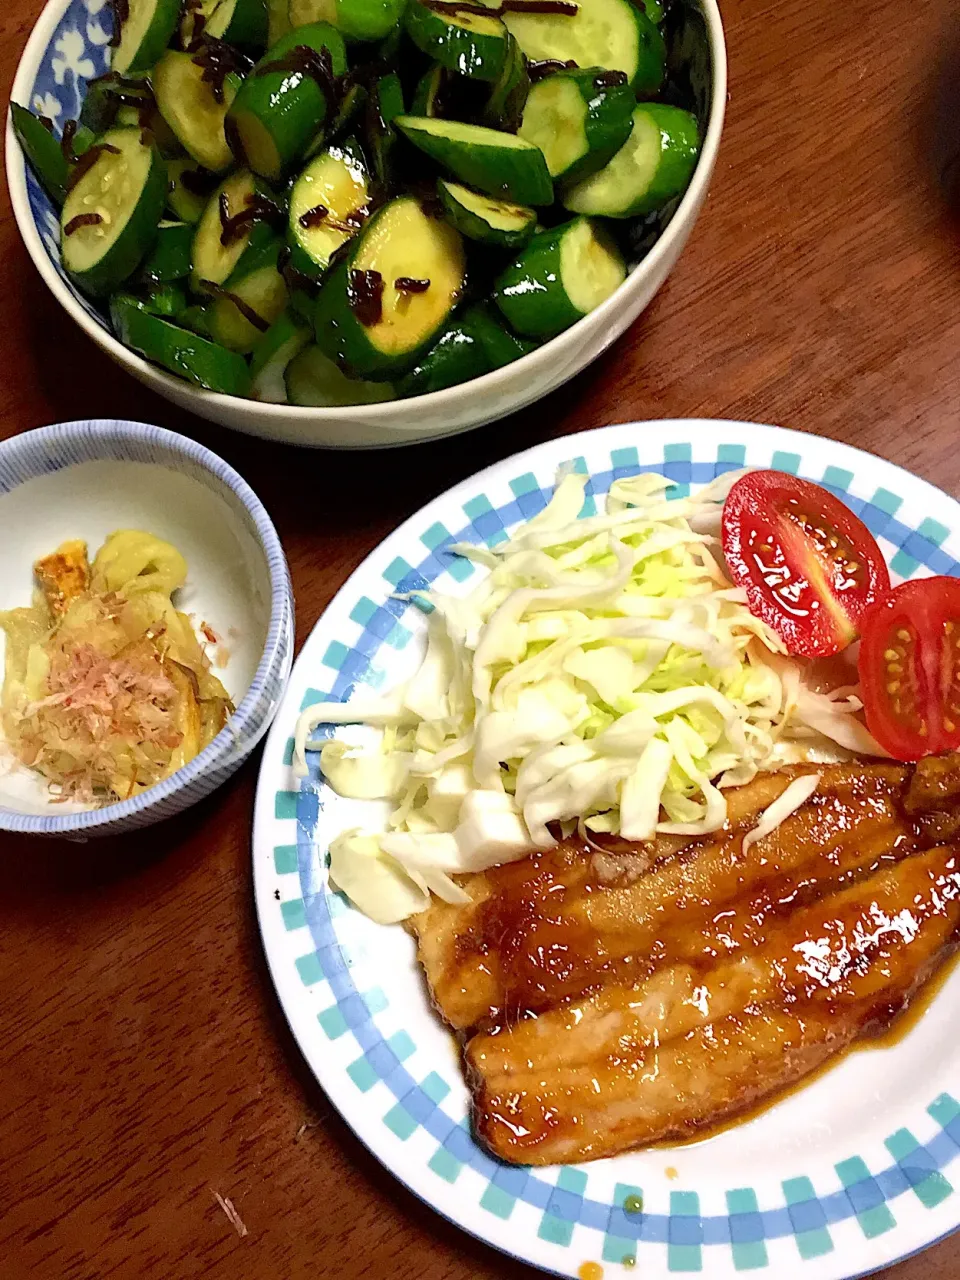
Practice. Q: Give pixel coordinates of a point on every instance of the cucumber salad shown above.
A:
(336, 202)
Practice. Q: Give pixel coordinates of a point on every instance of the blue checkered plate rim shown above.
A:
(843, 1177)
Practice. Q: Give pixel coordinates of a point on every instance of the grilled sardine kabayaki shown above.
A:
(613, 997)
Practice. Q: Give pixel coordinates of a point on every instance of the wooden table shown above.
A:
(145, 1066)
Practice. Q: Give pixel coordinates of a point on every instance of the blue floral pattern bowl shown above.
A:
(70, 46)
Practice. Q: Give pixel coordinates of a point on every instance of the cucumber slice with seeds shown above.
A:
(579, 120)
(484, 218)
(200, 361)
(614, 34)
(212, 259)
(279, 109)
(654, 165)
(328, 205)
(313, 381)
(369, 317)
(499, 164)
(356, 19)
(189, 106)
(145, 32)
(472, 44)
(109, 220)
(286, 338)
(42, 151)
(561, 276)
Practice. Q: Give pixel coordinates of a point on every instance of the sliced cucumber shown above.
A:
(559, 277)
(278, 21)
(182, 352)
(172, 255)
(500, 344)
(280, 106)
(348, 107)
(109, 220)
(189, 105)
(195, 14)
(328, 205)
(579, 120)
(504, 108)
(145, 32)
(314, 381)
(286, 338)
(499, 164)
(484, 218)
(472, 44)
(252, 298)
(385, 106)
(212, 259)
(42, 151)
(458, 356)
(401, 244)
(188, 189)
(427, 94)
(167, 299)
(614, 34)
(357, 19)
(243, 23)
(654, 165)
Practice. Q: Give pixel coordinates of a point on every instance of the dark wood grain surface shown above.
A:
(145, 1067)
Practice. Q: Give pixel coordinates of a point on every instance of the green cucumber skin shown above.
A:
(458, 356)
(43, 153)
(530, 291)
(171, 258)
(520, 176)
(366, 20)
(284, 340)
(679, 152)
(504, 109)
(291, 108)
(300, 259)
(135, 241)
(168, 300)
(183, 352)
(502, 346)
(606, 125)
(478, 56)
(652, 60)
(386, 106)
(248, 27)
(475, 228)
(427, 93)
(158, 36)
(341, 336)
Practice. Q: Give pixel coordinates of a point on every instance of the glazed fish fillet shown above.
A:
(613, 999)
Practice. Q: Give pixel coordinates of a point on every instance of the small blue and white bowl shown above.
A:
(86, 479)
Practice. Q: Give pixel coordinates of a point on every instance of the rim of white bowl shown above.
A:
(389, 410)
(119, 430)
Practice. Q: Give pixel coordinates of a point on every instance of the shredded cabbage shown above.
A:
(603, 673)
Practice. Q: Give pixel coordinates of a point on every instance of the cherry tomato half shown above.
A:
(910, 668)
(809, 567)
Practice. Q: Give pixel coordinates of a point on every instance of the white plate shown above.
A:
(845, 1176)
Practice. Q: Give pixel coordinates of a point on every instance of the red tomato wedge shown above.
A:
(910, 668)
(809, 567)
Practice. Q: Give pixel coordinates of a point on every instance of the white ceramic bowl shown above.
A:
(68, 47)
(85, 479)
